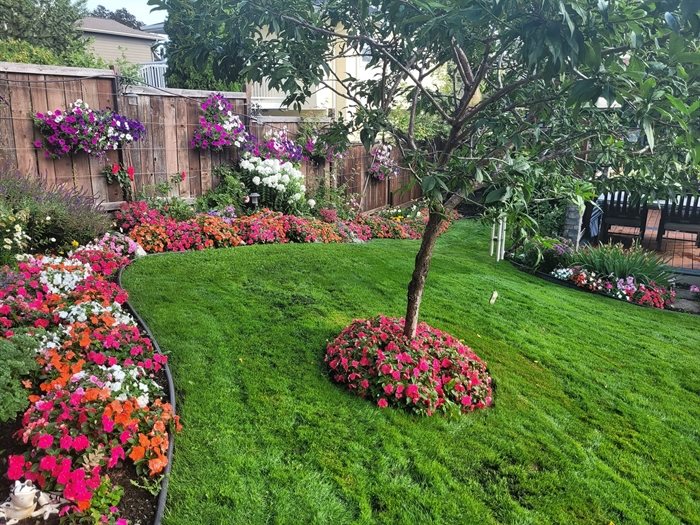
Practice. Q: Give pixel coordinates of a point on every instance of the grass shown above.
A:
(597, 415)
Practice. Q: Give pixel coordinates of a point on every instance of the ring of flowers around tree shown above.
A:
(434, 372)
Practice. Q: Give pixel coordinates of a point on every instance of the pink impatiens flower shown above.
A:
(45, 441)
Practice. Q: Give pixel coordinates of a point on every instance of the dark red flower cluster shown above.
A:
(433, 372)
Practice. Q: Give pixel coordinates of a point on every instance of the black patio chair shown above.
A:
(680, 214)
(623, 209)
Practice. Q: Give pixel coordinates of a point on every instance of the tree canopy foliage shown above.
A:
(184, 28)
(582, 89)
(50, 24)
(123, 16)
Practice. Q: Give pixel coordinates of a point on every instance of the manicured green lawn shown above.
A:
(597, 415)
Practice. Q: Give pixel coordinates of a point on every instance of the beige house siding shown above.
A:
(114, 47)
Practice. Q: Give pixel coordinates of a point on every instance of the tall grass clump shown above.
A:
(613, 259)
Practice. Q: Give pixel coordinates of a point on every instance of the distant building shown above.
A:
(112, 41)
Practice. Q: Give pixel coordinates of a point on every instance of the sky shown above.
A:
(139, 8)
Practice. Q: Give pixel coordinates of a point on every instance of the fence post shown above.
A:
(572, 224)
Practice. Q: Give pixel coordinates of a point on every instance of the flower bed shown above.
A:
(157, 232)
(96, 402)
(626, 289)
(434, 372)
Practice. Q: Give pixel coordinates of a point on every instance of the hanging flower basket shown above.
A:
(83, 129)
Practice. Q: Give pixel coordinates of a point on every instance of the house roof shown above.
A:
(91, 24)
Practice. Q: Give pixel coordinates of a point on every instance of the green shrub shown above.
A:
(17, 362)
(56, 215)
(549, 216)
(542, 253)
(25, 53)
(231, 191)
(338, 199)
(174, 207)
(614, 259)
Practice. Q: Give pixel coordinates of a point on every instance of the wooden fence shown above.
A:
(395, 191)
(170, 117)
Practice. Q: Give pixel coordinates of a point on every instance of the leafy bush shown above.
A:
(347, 206)
(17, 362)
(549, 217)
(23, 52)
(434, 372)
(230, 191)
(542, 253)
(174, 207)
(57, 216)
(614, 260)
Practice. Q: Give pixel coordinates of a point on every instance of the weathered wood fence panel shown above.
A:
(170, 117)
(394, 191)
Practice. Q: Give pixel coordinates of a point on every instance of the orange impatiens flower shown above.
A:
(137, 453)
(157, 464)
(85, 339)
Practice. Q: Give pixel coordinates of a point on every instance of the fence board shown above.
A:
(45, 166)
(81, 163)
(183, 161)
(106, 98)
(23, 127)
(8, 154)
(194, 175)
(170, 137)
(56, 99)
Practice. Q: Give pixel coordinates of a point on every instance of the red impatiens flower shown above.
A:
(130, 172)
(115, 169)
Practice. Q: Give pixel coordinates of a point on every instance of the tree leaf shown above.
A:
(584, 90)
(428, 183)
(495, 195)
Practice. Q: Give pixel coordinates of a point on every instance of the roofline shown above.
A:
(151, 36)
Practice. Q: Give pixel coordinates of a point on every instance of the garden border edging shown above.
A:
(163, 494)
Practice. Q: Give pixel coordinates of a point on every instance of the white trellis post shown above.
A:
(498, 240)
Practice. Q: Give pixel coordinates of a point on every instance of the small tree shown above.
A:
(185, 30)
(526, 77)
(123, 16)
(52, 24)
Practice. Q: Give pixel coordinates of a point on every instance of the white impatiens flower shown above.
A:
(311, 203)
(256, 180)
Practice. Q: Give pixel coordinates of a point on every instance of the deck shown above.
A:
(678, 247)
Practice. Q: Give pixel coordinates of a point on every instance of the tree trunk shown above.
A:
(420, 272)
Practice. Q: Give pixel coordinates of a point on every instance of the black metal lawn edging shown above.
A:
(163, 494)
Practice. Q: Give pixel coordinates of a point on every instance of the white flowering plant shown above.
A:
(13, 234)
(280, 184)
